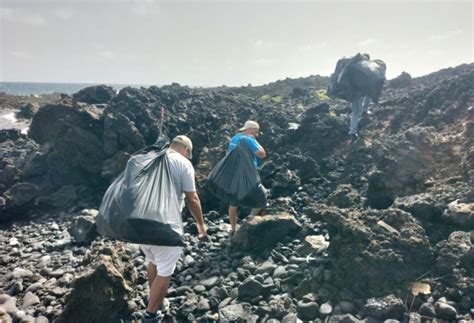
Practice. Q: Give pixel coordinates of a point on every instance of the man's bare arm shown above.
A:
(261, 153)
(194, 205)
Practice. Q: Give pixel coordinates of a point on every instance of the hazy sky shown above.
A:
(224, 42)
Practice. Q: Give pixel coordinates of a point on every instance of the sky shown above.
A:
(233, 43)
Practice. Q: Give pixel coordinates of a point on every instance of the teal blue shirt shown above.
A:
(252, 143)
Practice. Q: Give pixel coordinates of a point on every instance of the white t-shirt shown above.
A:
(182, 175)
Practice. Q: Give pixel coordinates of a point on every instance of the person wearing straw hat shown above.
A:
(161, 260)
(249, 132)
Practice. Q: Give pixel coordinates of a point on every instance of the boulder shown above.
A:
(401, 169)
(83, 228)
(99, 94)
(22, 193)
(262, 232)
(461, 214)
(422, 206)
(75, 137)
(103, 288)
(389, 307)
(382, 243)
(450, 252)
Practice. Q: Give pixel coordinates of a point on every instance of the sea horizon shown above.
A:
(41, 88)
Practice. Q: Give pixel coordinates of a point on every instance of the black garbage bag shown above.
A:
(235, 179)
(141, 205)
(358, 76)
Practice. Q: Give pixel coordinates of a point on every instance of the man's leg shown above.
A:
(355, 116)
(158, 290)
(151, 270)
(256, 211)
(233, 217)
(365, 104)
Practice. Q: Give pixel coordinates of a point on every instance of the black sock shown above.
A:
(150, 315)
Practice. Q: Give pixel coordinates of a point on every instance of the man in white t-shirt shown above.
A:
(161, 260)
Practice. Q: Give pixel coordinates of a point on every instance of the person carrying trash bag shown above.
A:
(235, 178)
(358, 80)
(143, 205)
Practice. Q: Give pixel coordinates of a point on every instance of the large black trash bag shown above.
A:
(141, 205)
(235, 179)
(357, 76)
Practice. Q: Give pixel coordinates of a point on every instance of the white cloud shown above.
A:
(260, 44)
(313, 47)
(22, 16)
(446, 35)
(64, 13)
(367, 42)
(262, 61)
(435, 52)
(108, 55)
(21, 54)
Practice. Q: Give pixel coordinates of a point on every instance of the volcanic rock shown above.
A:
(451, 251)
(388, 307)
(100, 94)
(102, 289)
(376, 239)
(261, 232)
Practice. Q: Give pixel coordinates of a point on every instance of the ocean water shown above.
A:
(8, 120)
(26, 88)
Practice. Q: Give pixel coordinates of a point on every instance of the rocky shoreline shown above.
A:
(349, 230)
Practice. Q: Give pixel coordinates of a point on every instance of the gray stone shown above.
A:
(445, 311)
(307, 311)
(414, 318)
(346, 318)
(250, 288)
(83, 229)
(210, 282)
(199, 288)
(4, 316)
(189, 260)
(203, 305)
(427, 309)
(29, 299)
(8, 303)
(290, 318)
(280, 272)
(267, 267)
(385, 308)
(22, 273)
(346, 307)
(325, 309)
(235, 312)
(314, 244)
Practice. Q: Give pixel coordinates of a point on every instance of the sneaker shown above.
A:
(154, 319)
(354, 137)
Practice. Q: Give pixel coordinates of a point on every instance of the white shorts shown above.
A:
(164, 258)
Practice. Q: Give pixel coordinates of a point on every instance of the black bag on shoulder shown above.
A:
(235, 179)
(141, 205)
